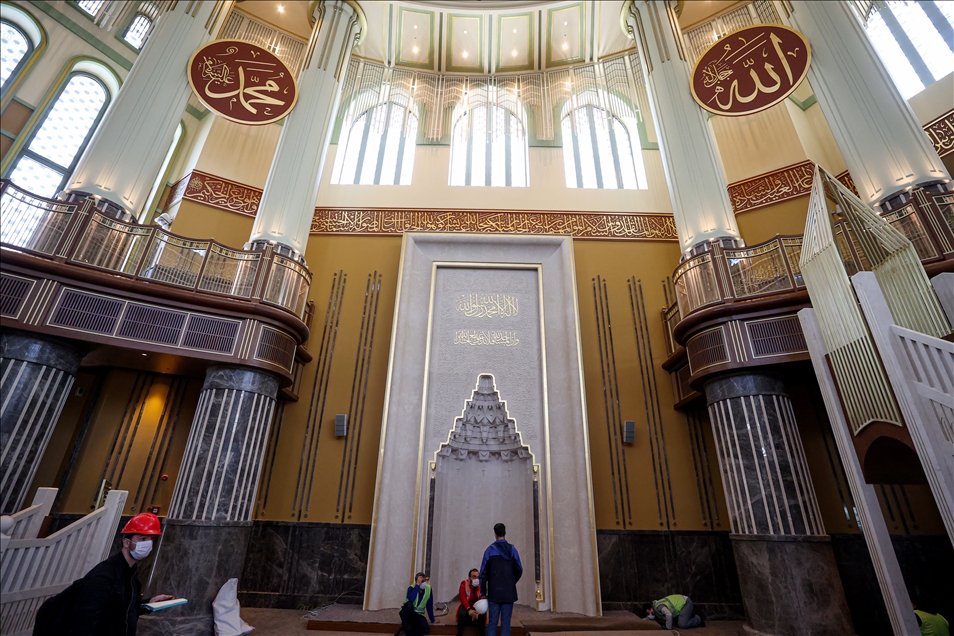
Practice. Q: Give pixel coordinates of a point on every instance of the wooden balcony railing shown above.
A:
(81, 234)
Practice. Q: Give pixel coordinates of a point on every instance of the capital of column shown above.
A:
(877, 133)
(291, 190)
(694, 174)
(124, 156)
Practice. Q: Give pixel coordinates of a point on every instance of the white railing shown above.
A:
(32, 570)
(26, 523)
(288, 48)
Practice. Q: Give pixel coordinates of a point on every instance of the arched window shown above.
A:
(92, 7)
(598, 153)
(137, 31)
(915, 40)
(15, 49)
(51, 153)
(379, 148)
(489, 148)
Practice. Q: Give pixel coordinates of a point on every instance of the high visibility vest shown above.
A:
(420, 603)
(933, 624)
(675, 603)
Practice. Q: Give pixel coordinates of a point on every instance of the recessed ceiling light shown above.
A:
(281, 9)
(465, 54)
(514, 30)
(514, 53)
(565, 46)
(465, 31)
(415, 49)
(415, 26)
(565, 23)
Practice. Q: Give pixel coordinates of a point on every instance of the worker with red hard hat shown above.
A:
(108, 600)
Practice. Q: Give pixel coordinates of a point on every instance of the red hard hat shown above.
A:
(143, 523)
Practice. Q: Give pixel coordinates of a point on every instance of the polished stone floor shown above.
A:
(272, 622)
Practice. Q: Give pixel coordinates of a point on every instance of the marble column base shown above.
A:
(791, 586)
(194, 559)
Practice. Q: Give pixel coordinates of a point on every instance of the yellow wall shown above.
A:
(787, 217)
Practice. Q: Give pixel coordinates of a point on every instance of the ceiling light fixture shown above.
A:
(515, 52)
(415, 49)
(565, 46)
(415, 26)
(565, 23)
(514, 30)
(465, 31)
(281, 8)
(465, 54)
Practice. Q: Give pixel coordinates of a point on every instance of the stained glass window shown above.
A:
(489, 148)
(597, 152)
(379, 149)
(14, 46)
(138, 30)
(55, 147)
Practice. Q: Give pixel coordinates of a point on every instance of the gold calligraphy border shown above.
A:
(777, 186)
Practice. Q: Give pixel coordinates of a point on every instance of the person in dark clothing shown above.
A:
(499, 572)
(469, 594)
(417, 601)
(108, 600)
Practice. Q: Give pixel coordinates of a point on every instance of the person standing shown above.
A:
(467, 614)
(108, 600)
(417, 601)
(676, 607)
(499, 572)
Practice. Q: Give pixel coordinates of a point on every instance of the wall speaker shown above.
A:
(629, 432)
(341, 425)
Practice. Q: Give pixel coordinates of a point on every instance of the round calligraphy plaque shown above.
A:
(750, 70)
(242, 82)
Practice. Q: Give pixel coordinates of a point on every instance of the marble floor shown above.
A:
(273, 622)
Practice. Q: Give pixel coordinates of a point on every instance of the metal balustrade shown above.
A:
(81, 234)
(721, 275)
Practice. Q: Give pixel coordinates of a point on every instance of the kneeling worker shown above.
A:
(675, 608)
(108, 600)
(418, 600)
(468, 613)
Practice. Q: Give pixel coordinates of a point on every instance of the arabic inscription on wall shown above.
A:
(750, 70)
(242, 82)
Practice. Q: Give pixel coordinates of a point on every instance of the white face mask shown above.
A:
(141, 550)
(475, 582)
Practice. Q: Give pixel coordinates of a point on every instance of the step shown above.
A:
(438, 629)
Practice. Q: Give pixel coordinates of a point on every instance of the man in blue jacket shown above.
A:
(499, 572)
(417, 601)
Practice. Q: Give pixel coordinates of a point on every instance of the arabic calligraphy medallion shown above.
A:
(242, 82)
(750, 70)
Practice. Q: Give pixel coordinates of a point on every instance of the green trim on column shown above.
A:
(7, 134)
(644, 142)
(195, 112)
(13, 83)
(808, 103)
(82, 33)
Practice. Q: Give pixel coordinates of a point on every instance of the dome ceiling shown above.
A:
(488, 36)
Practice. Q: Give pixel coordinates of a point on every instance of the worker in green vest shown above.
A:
(418, 601)
(930, 622)
(675, 609)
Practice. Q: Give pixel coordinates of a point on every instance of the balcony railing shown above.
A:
(81, 234)
(721, 275)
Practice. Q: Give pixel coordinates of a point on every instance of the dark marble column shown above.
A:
(787, 572)
(36, 375)
(206, 533)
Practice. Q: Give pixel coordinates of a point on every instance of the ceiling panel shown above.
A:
(565, 38)
(415, 38)
(465, 43)
(515, 42)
